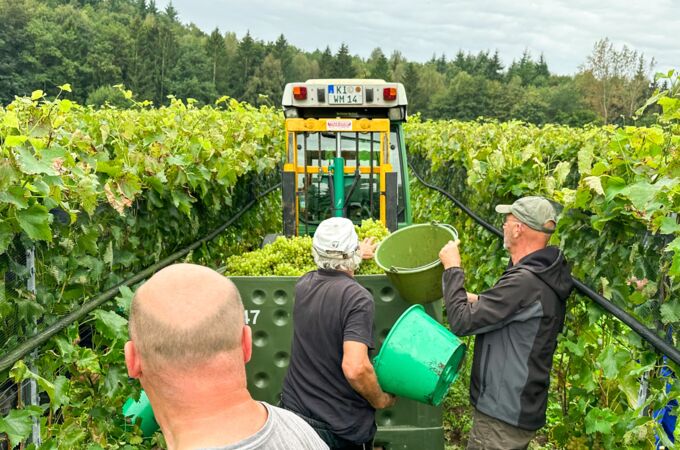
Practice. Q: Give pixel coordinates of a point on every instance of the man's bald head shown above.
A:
(184, 315)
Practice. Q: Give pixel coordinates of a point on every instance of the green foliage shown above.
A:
(108, 95)
(102, 194)
(619, 188)
(17, 424)
(456, 405)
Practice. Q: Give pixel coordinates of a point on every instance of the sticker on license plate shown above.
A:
(340, 94)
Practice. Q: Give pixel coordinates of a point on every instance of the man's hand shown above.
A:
(387, 401)
(449, 255)
(360, 374)
(367, 248)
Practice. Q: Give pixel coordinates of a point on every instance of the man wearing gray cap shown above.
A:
(516, 323)
(330, 381)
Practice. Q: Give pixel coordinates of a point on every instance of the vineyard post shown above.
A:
(30, 387)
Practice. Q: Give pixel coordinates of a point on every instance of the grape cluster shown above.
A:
(378, 231)
(293, 256)
(371, 228)
(283, 257)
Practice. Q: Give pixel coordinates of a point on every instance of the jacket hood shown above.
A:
(549, 265)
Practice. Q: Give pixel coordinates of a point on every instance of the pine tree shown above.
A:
(215, 48)
(141, 7)
(283, 52)
(379, 66)
(542, 67)
(441, 64)
(495, 67)
(248, 59)
(343, 63)
(151, 7)
(411, 78)
(396, 59)
(171, 12)
(265, 87)
(326, 64)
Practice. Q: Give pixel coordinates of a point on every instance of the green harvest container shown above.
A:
(141, 410)
(419, 358)
(410, 259)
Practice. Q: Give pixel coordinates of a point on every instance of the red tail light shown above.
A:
(390, 93)
(300, 92)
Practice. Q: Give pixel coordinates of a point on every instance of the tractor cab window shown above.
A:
(361, 153)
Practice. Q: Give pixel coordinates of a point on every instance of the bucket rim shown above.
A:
(443, 384)
(406, 313)
(407, 270)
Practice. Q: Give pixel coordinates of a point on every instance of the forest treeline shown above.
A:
(95, 45)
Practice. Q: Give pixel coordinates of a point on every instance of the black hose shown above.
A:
(486, 225)
(357, 178)
(40, 338)
(645, 333)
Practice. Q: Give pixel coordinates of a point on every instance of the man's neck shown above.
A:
(524, 249)
(224, 418)
(348, 272)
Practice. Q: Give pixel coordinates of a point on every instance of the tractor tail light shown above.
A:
(300, 93)
(390, 93)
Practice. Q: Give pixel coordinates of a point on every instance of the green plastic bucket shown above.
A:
(141, 410)
(410, 259)
(419, 358)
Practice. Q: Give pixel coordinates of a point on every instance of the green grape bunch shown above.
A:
(376, 230)
(293, 256)
(283, 257)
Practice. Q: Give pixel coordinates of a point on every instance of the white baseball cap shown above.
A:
(336, 238)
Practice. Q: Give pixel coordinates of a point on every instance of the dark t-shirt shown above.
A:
(330, 308)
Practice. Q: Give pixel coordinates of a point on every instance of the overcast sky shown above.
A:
(563, 30)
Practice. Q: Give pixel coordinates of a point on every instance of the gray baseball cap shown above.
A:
(535, 212)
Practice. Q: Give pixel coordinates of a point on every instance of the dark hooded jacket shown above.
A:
(516, 324)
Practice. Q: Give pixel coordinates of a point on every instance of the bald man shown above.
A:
(188, 348)
(516, 323)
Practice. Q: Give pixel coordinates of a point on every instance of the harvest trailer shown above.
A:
(345, 156)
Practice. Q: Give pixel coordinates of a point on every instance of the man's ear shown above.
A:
(247, 343)
(519, 230)
(132, 361)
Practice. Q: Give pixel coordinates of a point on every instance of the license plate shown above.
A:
(341, 94)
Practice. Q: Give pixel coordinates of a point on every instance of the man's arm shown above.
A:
(470, 314)
(359, 373)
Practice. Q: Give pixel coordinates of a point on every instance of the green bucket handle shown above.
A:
(395, 269)
(447, 226)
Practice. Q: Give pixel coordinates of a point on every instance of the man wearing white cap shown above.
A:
(330, 381)
(516, 323)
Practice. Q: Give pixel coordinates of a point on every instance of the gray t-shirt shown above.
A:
(283, 430)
